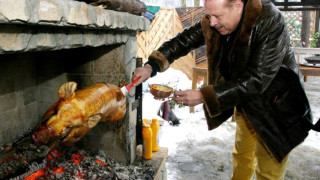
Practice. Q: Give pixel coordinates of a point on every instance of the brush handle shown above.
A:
(131, 85)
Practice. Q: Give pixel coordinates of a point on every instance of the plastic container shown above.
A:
(145, 121)
(155, 131)
(147, 142)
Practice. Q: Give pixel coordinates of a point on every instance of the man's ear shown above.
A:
(238, 3)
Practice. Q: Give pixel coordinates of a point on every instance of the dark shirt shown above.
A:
(227, 42)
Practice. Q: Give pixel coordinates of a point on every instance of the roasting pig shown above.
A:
(77, 112)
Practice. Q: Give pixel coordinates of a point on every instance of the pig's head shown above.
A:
(63, 115)
(41, 136)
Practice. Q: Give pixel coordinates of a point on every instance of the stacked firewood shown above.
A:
(135, 7)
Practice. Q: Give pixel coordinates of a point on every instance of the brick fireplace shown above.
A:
(45, 43)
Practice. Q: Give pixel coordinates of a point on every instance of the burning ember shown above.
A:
(100, 162)
(77, 158)
(36, 175)
(59, 170)
(71, 165)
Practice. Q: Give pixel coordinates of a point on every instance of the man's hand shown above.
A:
(188, 97)
(143, 72)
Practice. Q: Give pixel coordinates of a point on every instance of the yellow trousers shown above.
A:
(250, 156)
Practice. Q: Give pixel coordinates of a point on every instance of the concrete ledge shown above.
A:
(38, 25)
(158, 162)
(67, 13)
(15, 38)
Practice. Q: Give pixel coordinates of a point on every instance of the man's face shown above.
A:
(223, 15)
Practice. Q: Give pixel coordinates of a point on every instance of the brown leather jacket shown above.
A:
(265, 84)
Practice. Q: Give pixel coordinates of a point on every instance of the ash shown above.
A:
(70, 163)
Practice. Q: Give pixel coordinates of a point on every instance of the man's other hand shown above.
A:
(188, 97)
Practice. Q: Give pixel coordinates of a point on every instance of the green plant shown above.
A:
(315, 39)
(173, 104)
(181, 105)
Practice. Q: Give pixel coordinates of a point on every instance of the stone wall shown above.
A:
(18, 96)
(29, 84)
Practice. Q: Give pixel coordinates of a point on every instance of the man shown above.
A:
(250, 67)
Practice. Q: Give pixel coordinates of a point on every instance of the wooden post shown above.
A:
(183, 3)
(196, 73)
(317, 25)
(174, 23)
(194, 85)
(317, 28)
(196, 3)
(305, 29)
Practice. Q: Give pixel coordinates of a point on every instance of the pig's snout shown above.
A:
(41, 136)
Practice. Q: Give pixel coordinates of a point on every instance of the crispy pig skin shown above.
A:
(79, 111)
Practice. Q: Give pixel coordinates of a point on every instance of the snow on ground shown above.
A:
(196, 153)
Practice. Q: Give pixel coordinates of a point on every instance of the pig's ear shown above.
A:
(66, 90)
(93, 120)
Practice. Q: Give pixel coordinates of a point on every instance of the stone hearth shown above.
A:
(45, 43)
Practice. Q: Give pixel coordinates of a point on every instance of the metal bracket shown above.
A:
(135, 104)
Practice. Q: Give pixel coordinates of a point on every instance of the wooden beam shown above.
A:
(298, 9)
(303, 5)
(317, 25)
(131, 6)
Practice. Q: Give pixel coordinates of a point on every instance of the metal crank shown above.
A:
(27, 145)
(42, 151)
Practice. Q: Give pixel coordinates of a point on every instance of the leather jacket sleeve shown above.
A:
(180, 45)
(189, 39)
